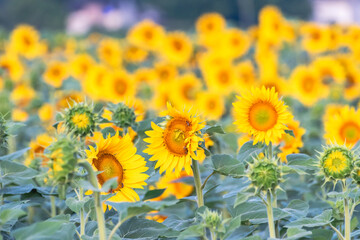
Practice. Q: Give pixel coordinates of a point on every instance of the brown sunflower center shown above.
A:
(148, 34)
(175, 135)
(110, 168)
(177, 45)
(308, 84)
(262, 116)
(223, 77)
(120, 86)
(350, 132)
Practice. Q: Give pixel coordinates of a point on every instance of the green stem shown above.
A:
(53, 206)
(82, 218)
(347, 219)
(270, 153)
(197, 180)
(98, 204)
(213, 234)
(270, 215)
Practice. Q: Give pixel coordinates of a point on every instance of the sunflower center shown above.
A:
(210, 26)
(120, 86)
(262, 116)
(148, 34)
(55, 72)
(175, 135)
(308, 84)
(224, 77)
(189, 92)
(336, 162)
(315, 35)
(211, 104)
(80, 120)
(350, 132)
(177, 45)
(27, 41)
(110, 167)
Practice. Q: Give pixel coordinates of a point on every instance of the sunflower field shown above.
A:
(216, 133)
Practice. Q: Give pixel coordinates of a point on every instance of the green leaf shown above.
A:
(248, 151)
(290, 132)
(300, 163)
(242, 197)
(108, 130)
(322, 234)
(227, 165)
(297, 208)
(191, 232)
(320, 220)
(213, 129)
(74, 204)
(10, 214)
(17, 190)
(16, 173)
(153, 194)
(14, 155)
(296, 233)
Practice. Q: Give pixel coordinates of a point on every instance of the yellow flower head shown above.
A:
(165, 71)
(175, 145)
(147, 35)
(24, 40)
(211, 103)
(37, 148)
(344, 127)
(22, 95)
(56, 73)
(177, 48)
(46, 112)
(329, 68)
(80, 65)
(261, 114)
(134, 54)
(116, 157)
(119, 86)
(109, 52)
(245, 74)
(186, 88)
(13, 66)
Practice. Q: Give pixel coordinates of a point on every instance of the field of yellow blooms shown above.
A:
(216, 133)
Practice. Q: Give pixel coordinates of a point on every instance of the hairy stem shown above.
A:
(82, 218)
(53, 206)
(270, 215)
(197, 180)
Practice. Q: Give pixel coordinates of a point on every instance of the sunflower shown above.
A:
(146, 34)
(186, 88)
(177, 48)
(80, 65)
(209, 28)
(19, 115)
(174, 186)
(55, 73)
(37, 148)
(46, 112)
(24, 40)
(335, 37)
(261, 114)
(119, 86)
(134, 54)
(165, 71)
(277, 82)
(145, 75)
(292, 144)
(352, 37)
(67, 99)
(331, 110)
(245, 74)
(162, 95)
(22, 95)
(13, 66)
(235, 43)
(109, 52)
(211, 103)
(95, 80)
(174, 146)
(315, 38)
(221, 78)
(343, 128)
(329, 67)
(116, 157)
(271, 24)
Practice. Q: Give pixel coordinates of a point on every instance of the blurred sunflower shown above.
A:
(261, 114)
(276, 82)
(315, 38)
(331, 110)
(291, 144)
(177, 48)
(134, 54)
(329, 68)
(162, 96)
(13, 66)
(174, 146)
(24, 40)
(165, 71)
(186, 88)
(308, 87)
(211, 103)
(221, 78)
(109, 52)
(119, 86)
(19, 115)
(94, 84)
(208, 27)
(245, 74)
(37, 148)
(46, 112)
(22, 95)
(235, 43)
(116, 157)
(56, 73)
(146, 34)
(80, 65)
(67, 99)
(343, 128)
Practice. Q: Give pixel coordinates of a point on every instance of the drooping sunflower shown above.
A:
(109, 52)
(146, 34)
(13, 66)
(211, 103)
(56, 73)
(262, 114)
(343, 128)
(291, 144)
(24, 40)
(177, 143)
(177, 48)
(116, 157)
(308, 87)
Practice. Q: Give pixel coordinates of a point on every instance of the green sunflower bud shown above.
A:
(3, 133)
(337, 162)
(212, 219)
(265, 174)
(80, 119)
(122, 115)
(62, 155)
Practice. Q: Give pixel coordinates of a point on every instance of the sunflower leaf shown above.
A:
(227, 165)
(153, 194)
